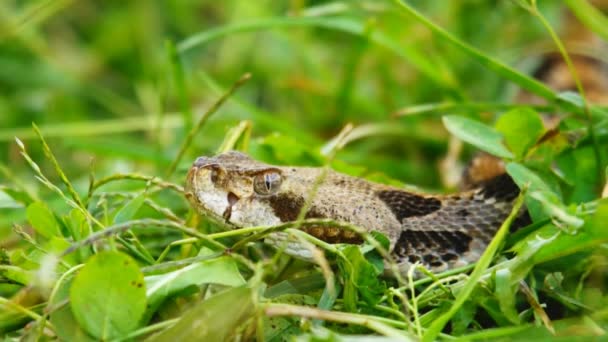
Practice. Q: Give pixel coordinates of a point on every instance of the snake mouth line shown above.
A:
(232, 199)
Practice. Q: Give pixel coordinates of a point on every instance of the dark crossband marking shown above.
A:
(502, 188)
(404, 204)
(446, 243)
(287, 207)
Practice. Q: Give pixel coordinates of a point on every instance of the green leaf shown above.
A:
(382, 239)
(505, 293)
(14, 198)
(11, 318)
(77, 224)
(301, 283)
(596, 226)
(361, 278)
(579, 168)
(521, 127)
(42, 220)
(553, 207)
(463, 318)
(214, 319)
(15, 274)
(557, 244)
(525, 177)
(477, 134)
(128, 211)
(79, 228)
(328, 297)
(108, 295)
(570, 99)
(66, 326)
(222, 270)
(278, 329)
(573, 102)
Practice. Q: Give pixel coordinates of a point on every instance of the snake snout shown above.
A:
(205, 162)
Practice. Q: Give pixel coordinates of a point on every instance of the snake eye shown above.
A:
(267, 183)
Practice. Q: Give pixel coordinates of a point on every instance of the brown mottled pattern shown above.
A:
(441, 231)
(333, 234)
(286, 206)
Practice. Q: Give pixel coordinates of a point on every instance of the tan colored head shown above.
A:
(227, 188)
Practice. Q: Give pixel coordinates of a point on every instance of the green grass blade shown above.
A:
(92, 127)
(410, 54)
(590, 16)
(179, 80)
(201, 122)
(500, 68)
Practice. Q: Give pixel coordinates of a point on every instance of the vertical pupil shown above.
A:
(267, 180)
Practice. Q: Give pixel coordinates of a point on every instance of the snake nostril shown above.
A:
(232, 199)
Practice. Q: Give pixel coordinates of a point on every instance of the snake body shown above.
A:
(439, 231)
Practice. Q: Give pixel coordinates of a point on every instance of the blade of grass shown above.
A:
(409, 53)
(590, 16)
(242, 132)
(483, 263)
(261, 118)
(33, 15)
(123, 227)
(370, 322)
(25, 311)
(500, 68)
(349, 72)
(179, 79)
(451, 107)
(64, 179)
(133, 176)
(92, 127)
(42, 178)
(201, 122)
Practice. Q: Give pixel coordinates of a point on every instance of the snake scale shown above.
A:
(439, 231)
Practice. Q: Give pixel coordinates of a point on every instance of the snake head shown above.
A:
(227, 187)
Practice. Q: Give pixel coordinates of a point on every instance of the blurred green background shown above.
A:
(118, 84)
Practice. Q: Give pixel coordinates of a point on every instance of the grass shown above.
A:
(97, 241)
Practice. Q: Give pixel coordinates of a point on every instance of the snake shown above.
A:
(440, 232)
